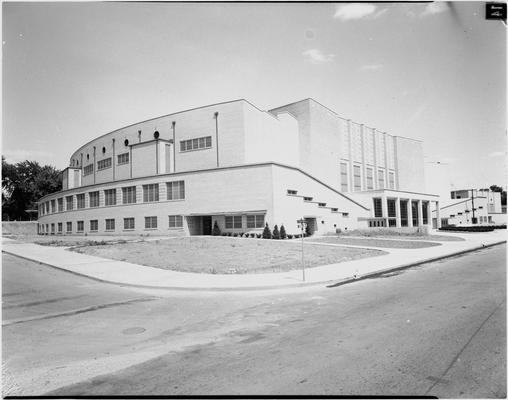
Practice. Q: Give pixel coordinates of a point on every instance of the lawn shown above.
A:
(222, 255)
(386, 234)
(389, 244)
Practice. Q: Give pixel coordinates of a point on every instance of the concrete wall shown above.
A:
(410, 164)
(19, 228)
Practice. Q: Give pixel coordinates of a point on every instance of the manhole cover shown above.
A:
(133, 331)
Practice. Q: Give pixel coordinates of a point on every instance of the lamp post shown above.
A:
(302, 225)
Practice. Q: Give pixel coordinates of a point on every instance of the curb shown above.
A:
(330, 283)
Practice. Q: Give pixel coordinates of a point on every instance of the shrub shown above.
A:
(283, 232)
(216, 229)
(289, 236)
(224, 234)
(266, 232)
(258, 235)
(235, 234)
(275, 233)
(229, 233)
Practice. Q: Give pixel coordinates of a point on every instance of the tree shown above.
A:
(275, 234)
(23, 184)
(283, 234)
(216, 229)
(266, 232)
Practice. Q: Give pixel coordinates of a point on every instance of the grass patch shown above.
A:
(386, 234)
(226, 255)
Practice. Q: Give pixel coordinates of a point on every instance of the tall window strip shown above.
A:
(150, 222)
(343, 177)
(123, 158)
(175, 190)
(68, 203)
(391, 208)
(425, 212)
(391, 180)
(204, 142)
(93, 198)
(151, 192)
(60, 204)
(128, 223)
(129, 195)
(414, 208)
(370, 179)
(104, 164)
(378, 208)
(87, 170)
(233, 222)
(255, 221)
(381, 179)
(53, 206)
(357, 178)
(80, 200)
(110, 197)
(110, 224)
(175, 221)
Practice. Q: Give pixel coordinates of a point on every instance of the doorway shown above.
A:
(207, 225)
(311, 225)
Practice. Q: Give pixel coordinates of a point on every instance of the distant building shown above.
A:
(473, 206)
(240, 167)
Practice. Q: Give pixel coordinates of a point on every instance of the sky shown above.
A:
(429, 71)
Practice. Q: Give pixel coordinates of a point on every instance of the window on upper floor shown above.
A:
(204, 142)
(60, 204)
(110, 197)
(357, 178)
(104, 164)
(80, 200)
(93, 198)
(380, 179)
(391, 180)
(151, 192)
(129, 195)
(175, 190)
(87, 170)
(370, 178)
(123, 158)
(343, 177)
(69, 203)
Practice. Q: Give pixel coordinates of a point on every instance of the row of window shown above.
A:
(369, 178)
(196, 144)
(391, 209)
(174, 191)
(174, 221)
(106, 163)
(253, 221)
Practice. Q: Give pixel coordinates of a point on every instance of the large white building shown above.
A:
(241, 167)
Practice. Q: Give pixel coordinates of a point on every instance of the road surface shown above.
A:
(437, 329)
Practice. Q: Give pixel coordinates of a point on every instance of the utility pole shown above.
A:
(472, 204)
(302, 224)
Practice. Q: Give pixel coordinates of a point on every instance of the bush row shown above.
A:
(267, 233)
(467, 228)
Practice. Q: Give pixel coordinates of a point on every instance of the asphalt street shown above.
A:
(436, 329)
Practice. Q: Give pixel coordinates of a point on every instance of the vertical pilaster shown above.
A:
(350, 155)
(409, 213)
(362, 141)
(420, 213)
(397, 213)
(384, 208)
(438, 216)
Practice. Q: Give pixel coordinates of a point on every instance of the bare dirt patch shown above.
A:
(389, 244)
(226, 255)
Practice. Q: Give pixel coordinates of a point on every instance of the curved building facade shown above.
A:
(239, 166)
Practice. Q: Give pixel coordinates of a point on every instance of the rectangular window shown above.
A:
(255, 221)
(391, 208)
(110, 224)
(94, 225)
(204, 142)
(175, 190)
(307, 198)
(391, 180)
(60, 204)
(81, 226)
(175, 221)
(343, 177)
(104, 164)
(357, 178)
(53, 206)
(52, 229)
(128, 223)
(370, 179)
(233, 221)
(403, 213)
(69, 227)
(378, 208)
(381, 179)
(80, 200)
(321, 204)
(150, 222)
(93, 198)
(425, 212)
(60, 227)
(129, 195)
(110, 197)
(345, 215)
(87, 170)
(414, 208)
(292, 192)
(47, 207)
(151, 192)
(123, 158)
(68, 203)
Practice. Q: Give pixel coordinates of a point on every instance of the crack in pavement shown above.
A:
(36, 303)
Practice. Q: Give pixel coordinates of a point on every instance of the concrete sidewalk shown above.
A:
(125, 273)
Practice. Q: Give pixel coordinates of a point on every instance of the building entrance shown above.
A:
(207, 225)
(312, 225)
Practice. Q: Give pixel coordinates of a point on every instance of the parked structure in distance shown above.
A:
(241, 167)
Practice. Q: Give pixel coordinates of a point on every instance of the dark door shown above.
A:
(207, 225)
